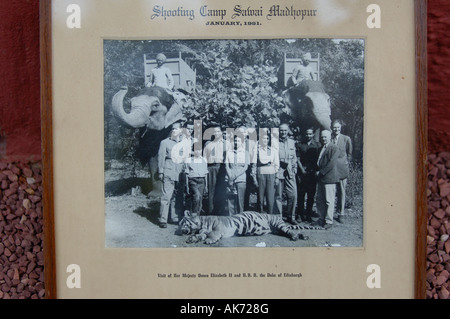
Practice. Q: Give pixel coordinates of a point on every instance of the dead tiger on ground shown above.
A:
(210, 229)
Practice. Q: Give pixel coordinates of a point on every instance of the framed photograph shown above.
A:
(240, 150)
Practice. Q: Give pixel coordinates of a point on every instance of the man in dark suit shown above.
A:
(307, 154)
(327, 178)
(344, 144)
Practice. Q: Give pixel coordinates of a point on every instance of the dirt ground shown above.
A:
(132, 210)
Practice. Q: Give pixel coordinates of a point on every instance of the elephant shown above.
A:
(154, 110)
(309, 105)
(152, 107)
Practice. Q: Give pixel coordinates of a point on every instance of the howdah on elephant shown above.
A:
(309, 105)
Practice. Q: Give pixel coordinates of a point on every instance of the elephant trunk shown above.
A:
(321, 109)
(137, 117)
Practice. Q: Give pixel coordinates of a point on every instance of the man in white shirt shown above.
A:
(214, 152)
(236, 164)
(327, 177)
(160, 75)
(305, 72)
(267, 165)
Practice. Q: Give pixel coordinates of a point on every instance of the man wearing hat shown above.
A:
(305, 72)
(301, 73)
(161, 75)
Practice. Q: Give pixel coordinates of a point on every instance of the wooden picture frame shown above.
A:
(49, 106)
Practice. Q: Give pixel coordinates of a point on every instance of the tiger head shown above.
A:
(189, 224)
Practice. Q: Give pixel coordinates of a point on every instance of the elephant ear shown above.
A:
(175, 112)
(180, 98)
(173, 115)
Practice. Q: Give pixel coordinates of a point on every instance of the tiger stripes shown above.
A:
(211, 229)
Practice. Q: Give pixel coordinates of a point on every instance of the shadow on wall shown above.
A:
(2, 146)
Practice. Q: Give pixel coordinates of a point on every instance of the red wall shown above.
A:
(20, 137)
(438, 75)
(19, 78)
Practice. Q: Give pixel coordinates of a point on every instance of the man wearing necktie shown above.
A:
(344, 145)
(327, 178)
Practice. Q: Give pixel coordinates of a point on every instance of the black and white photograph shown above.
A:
(234, 143)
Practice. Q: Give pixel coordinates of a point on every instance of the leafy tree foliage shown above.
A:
(238, 81)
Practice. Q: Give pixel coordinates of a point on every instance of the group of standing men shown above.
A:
(333, 168)
(232, 166)
(229, 168)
